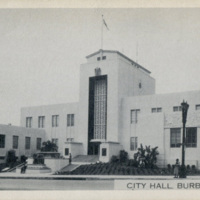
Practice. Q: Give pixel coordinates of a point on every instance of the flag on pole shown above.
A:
(105, 23)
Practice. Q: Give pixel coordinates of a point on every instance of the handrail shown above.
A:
(11, 169)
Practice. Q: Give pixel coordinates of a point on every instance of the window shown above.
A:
(70, 120)
(2, 141)
(104, 57)
(15, 141)
(66, 151)
(175, 137)
(140, 85)
(55, 141)
(29, 122)
(133, 143)
(41, 121)
(154, 110)
(38, 144)
(98, 58)
(198, 107)
(104, 151)
(134, 116)
(191, 137)
(55, 120)
(27, 142)
(177, 108)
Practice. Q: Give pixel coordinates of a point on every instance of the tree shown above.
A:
(49, 146)
(146, 157)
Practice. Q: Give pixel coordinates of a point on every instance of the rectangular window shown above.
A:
(104, 151)
(38, 144)
(55, 141)
(27, 142)
(104, 57)
(2, 141)
(15, 141)
(198, 107)
(98, 58)
(70, 120)
(41, 121)
(134, 115)
(66, 151)
(55, 120)
(175, 137)
(133, 143)
(177, 108)
(154, 110)
(28, 122)
(191, 137)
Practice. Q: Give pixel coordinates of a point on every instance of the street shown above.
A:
(35, 184)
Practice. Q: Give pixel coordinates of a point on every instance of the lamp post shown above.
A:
(184, 107)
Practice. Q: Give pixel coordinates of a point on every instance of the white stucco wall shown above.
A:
(62, 132)
(21, 132)
(111, 149)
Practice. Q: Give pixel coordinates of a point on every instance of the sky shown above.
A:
(42, 49)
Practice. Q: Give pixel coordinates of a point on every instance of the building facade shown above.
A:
(24, 141)
(118, 109)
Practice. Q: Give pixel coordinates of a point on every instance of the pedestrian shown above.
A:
(70, 158)
(176, 168)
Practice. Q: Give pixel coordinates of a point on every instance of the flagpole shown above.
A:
(102, 35)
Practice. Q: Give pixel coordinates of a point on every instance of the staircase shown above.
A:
(69, 168)
(85, 159)
(80, 160)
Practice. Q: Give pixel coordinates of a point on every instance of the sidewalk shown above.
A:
(13, 175)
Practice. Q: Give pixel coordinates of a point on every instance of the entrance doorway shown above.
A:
(94, 149)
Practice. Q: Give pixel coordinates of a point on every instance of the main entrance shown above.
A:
(97, 116)
(94, 148)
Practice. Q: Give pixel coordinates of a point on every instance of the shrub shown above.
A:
(169, 167)
(23, 158)
(123, 156)
(114, 159)
(146, 157)
(11, 158)
(188, 167)
(49, 146)
(133, 163)
(193, 167)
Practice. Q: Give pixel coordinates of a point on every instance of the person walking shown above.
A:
(176, 168)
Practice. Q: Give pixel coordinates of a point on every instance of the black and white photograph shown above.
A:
(100, 99)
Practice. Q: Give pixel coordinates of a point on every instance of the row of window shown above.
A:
(135, 112)
(191, 137)
(15, 144)
(175, 138)
(55, 121)
(103, 58)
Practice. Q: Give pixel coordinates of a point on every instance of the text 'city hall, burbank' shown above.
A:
(117, 110)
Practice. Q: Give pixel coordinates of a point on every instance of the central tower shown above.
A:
(97, 118)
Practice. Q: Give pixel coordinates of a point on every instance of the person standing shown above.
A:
(70, 158)
(176, 168)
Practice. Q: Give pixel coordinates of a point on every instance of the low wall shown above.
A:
(56, 164)
(74, 148)
(112, 148)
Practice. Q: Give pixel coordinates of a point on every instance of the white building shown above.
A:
(118, 109)
(24, 141)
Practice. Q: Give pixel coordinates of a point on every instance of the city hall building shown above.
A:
(119, 110)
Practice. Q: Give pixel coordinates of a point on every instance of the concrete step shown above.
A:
(86, 159)
(69, 168)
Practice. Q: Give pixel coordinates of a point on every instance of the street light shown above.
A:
(184, 107)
